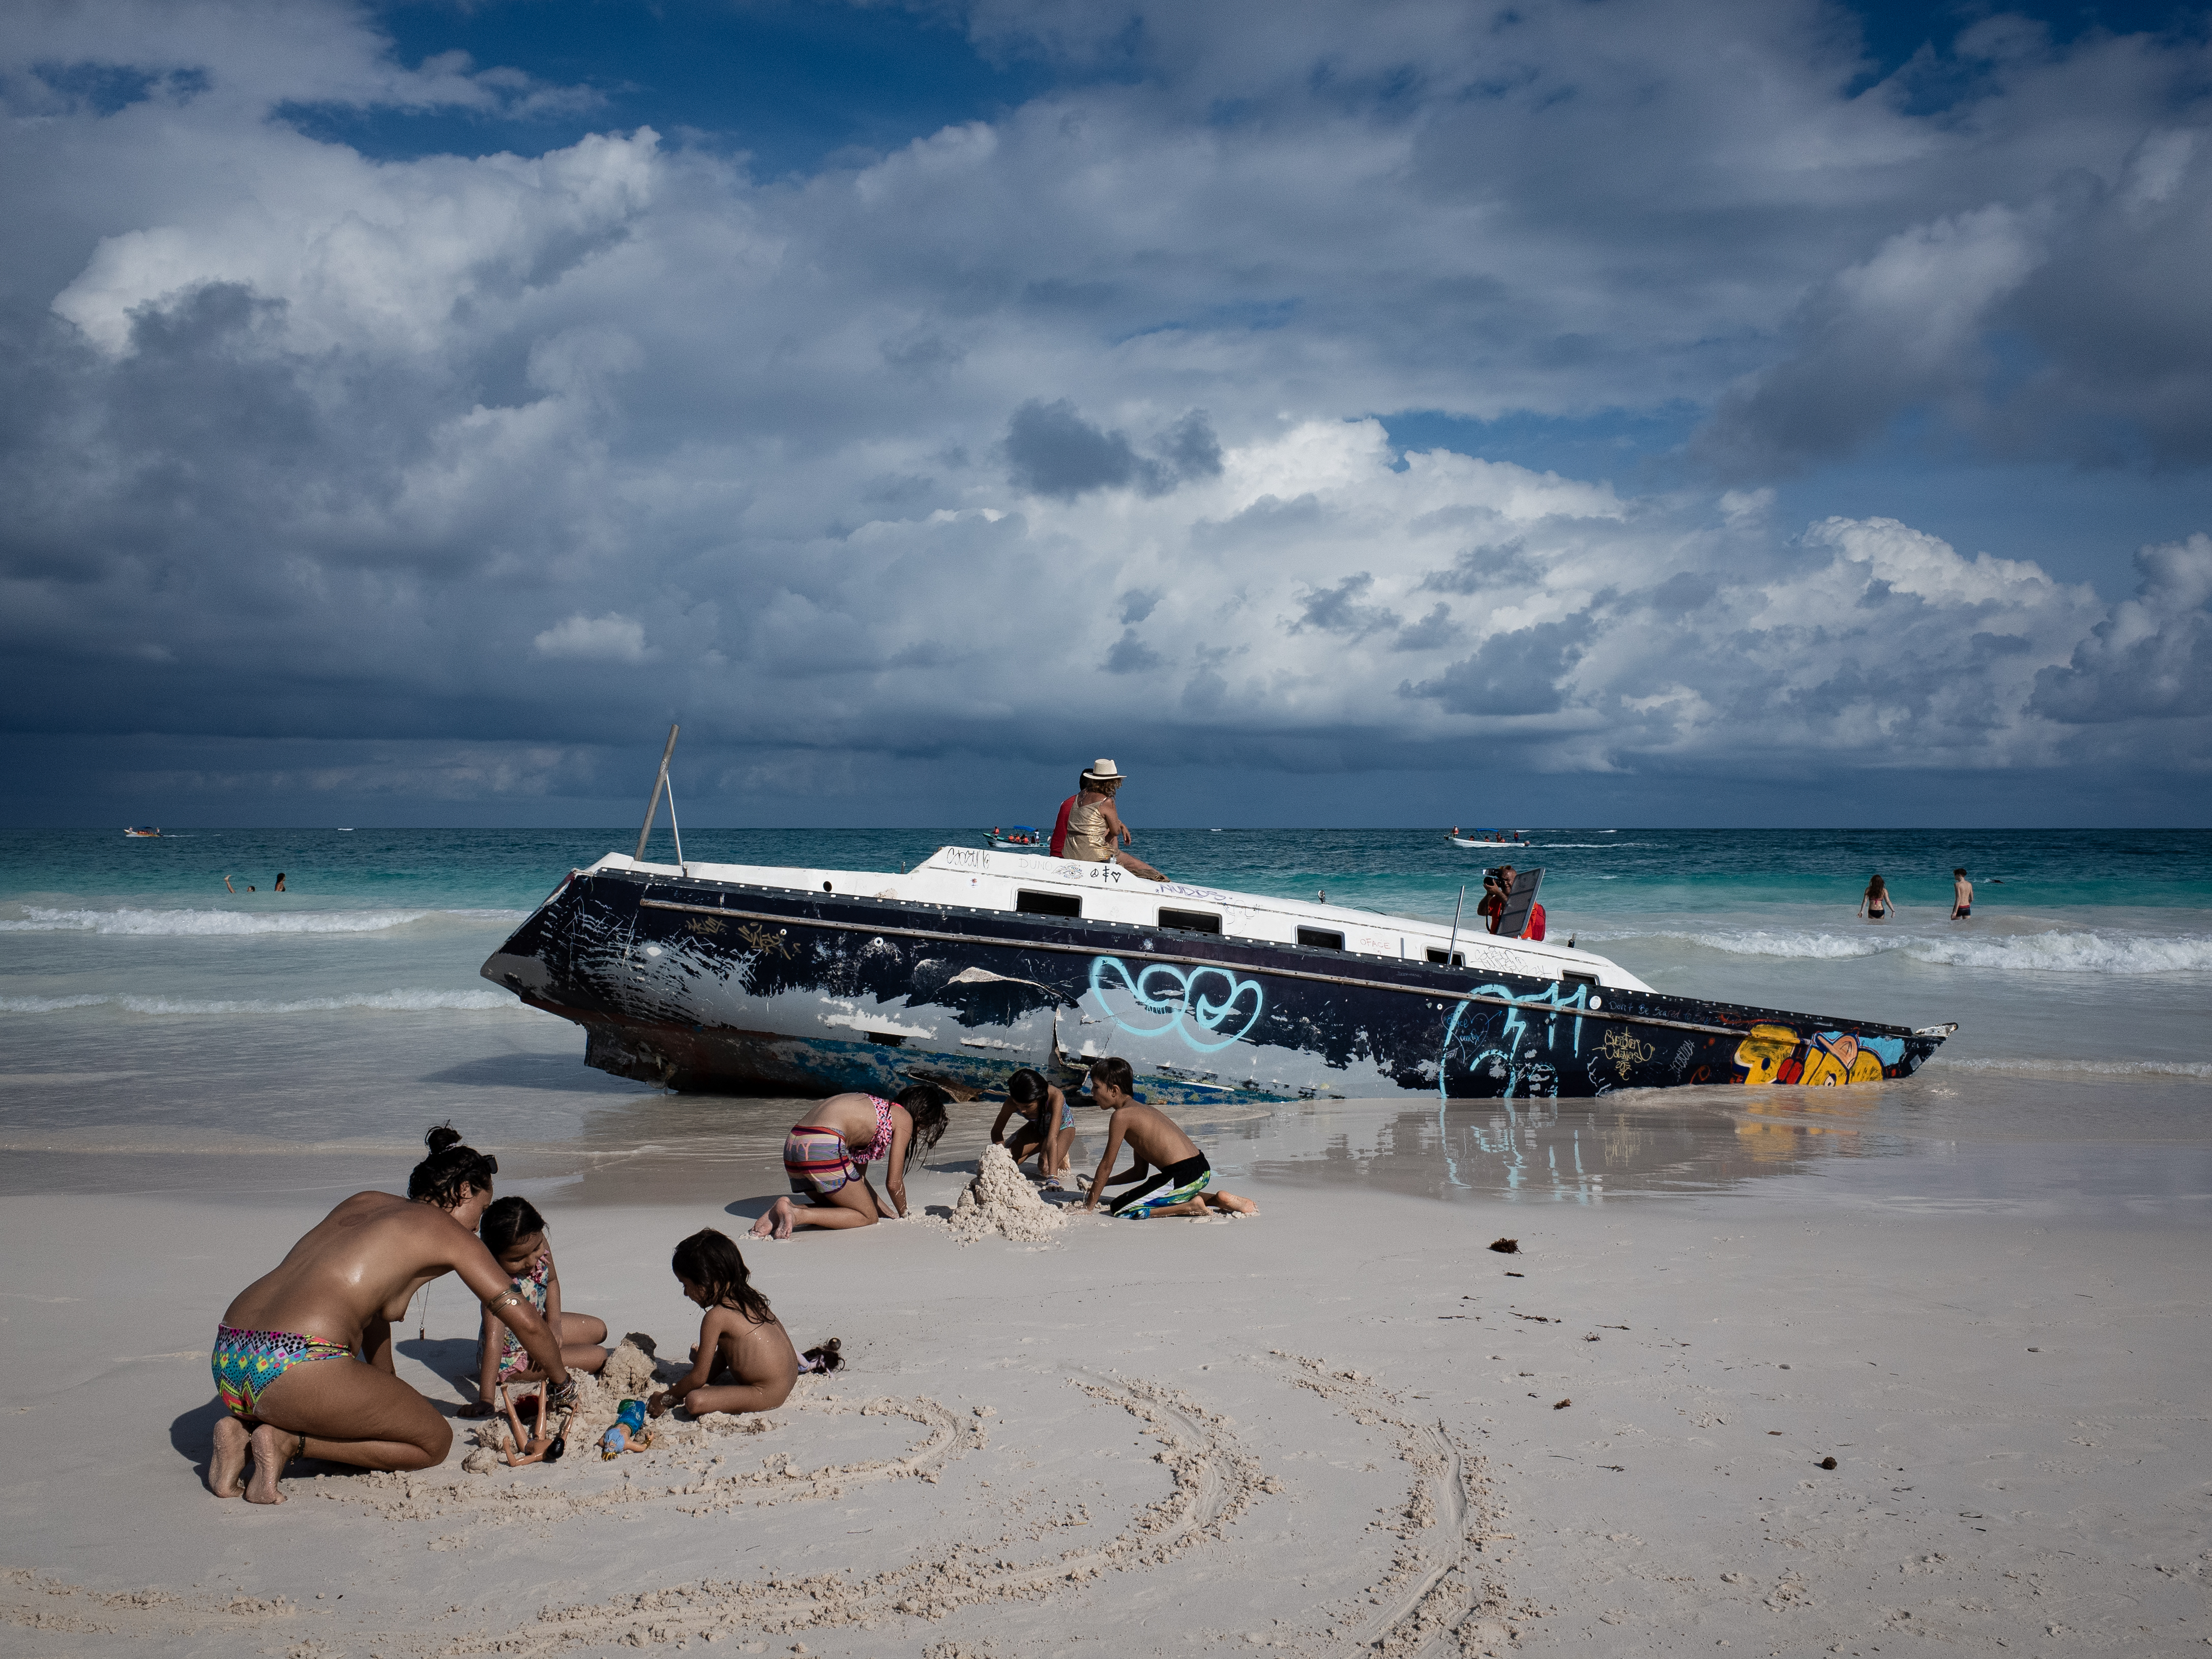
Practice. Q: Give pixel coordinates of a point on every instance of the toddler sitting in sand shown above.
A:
(745, 1361)
(513, 1232)
(1181, 1175)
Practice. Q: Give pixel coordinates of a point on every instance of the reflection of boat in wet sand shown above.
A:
(144, 832)
(1017, 838)
(810, 981)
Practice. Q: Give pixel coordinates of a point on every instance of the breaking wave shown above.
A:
(202, 924)
(2046, 952)
(390, 1002)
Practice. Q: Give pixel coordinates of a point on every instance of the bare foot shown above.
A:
(782, 1213)
(1235, 1205)
(273, 1448)
(1188, 1207)
(765, 1226)
(226, 1467)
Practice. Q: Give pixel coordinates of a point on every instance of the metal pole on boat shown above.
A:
(676, 829)
(653, 806)
(1456, 908)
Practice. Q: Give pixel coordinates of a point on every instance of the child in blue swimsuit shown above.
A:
(1049, 1131)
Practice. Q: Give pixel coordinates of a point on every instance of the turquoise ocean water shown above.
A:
(152, 1013)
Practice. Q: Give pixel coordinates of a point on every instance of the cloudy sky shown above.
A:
(1708, 411)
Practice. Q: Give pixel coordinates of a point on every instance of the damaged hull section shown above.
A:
(739, 979)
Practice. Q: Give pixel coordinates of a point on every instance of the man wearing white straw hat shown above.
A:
(1095, 833)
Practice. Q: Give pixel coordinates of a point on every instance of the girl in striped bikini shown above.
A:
(827, 1158)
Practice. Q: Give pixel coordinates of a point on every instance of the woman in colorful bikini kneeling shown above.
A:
(283, 1355)
(826, 1159)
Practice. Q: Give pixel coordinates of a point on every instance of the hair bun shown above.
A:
(443, 1136)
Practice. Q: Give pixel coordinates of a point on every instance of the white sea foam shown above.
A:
(2051, 951)
(2192, 1070)
(486, 1000)
(201, 924)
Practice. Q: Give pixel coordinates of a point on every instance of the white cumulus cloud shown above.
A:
(611, 638)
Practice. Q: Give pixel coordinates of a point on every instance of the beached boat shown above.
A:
(740, 977)
(1017, 838)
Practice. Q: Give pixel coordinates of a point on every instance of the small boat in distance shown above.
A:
(1487, 838)
(143, 833)
(1016, 838)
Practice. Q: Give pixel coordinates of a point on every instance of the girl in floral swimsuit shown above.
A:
(826, 1158)
(513, 1232)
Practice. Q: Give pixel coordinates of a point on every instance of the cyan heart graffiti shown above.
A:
(1161, 989)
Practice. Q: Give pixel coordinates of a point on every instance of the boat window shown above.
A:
(1457, 958)
(1048, 904)
(1590, 980)
(1321, 938)
(1191, 921)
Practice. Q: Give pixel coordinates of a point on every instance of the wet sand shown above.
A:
(1336, 1425)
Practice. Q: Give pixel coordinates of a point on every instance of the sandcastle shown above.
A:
(1001, 1201)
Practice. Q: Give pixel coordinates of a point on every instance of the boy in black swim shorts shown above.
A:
(1171, 1176)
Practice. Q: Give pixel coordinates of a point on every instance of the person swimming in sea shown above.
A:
(826, 1158)
(1875, 903)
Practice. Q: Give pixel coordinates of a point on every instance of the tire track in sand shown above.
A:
(30, 1601)
(547, 1493)
(1438, 1593)
(1213, 1480)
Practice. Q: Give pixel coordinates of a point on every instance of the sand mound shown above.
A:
(1001, 1201)
(631, 1369)
(630, 1373)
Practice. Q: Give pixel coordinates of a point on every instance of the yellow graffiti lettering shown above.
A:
(1624, 1049)
(1760, 1054)
(766, 943)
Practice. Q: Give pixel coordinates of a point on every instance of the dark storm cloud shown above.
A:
(1518, 673)
(1337, 610)
(2152, 656)
(1051, 450)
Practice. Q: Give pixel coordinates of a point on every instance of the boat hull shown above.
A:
(713, 985)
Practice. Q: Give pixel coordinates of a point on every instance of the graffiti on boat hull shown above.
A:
(1174, 998)
(1776, 1053)
(705, 984)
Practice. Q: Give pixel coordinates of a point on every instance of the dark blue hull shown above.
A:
(706, 985)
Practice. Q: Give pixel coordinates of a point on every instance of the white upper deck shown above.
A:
(980, 878)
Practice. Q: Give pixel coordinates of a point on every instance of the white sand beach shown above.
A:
(1343, 1426)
